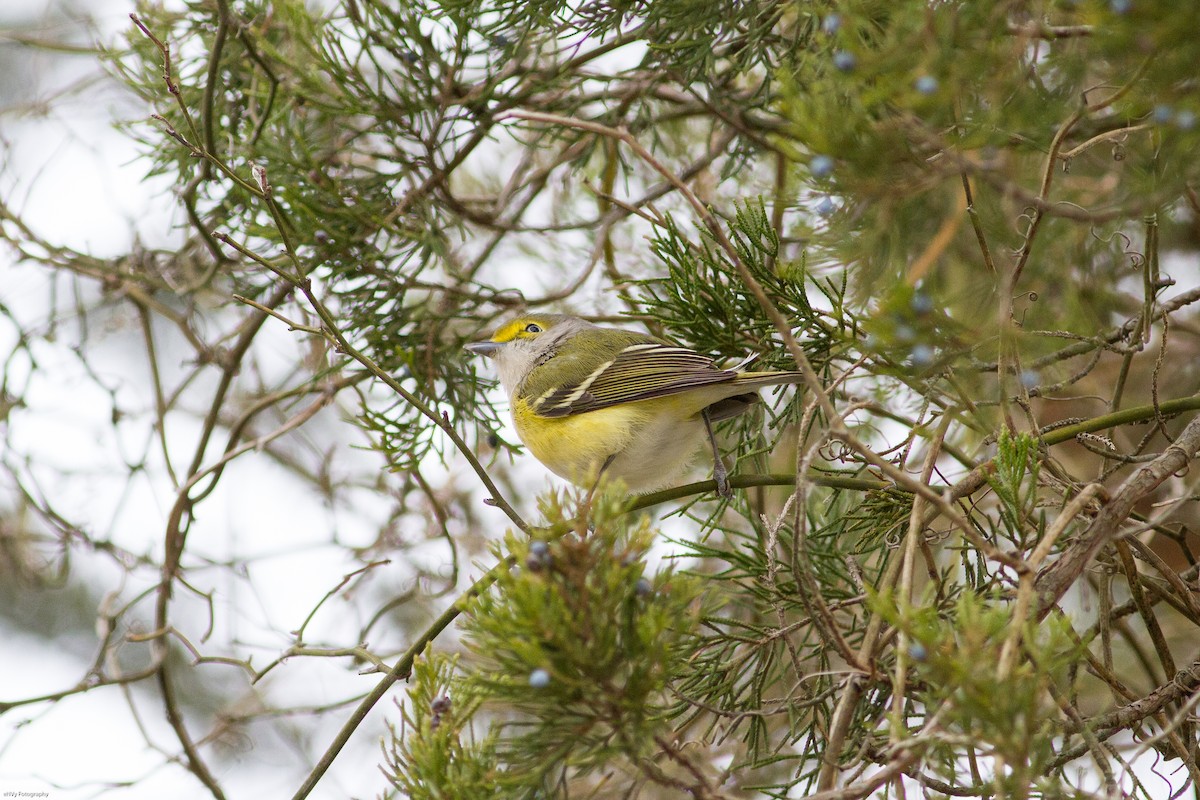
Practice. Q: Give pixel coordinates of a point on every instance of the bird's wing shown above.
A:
(638, 371)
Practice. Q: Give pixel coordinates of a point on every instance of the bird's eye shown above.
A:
(533, 327)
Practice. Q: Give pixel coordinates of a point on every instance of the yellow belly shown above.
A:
(652, 442)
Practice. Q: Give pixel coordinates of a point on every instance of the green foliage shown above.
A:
(705, 302)
(572, 652)
(914, 335)
(913, 119)
(761, 666)
(435, 756)
(1011, 714)
(1015, 481)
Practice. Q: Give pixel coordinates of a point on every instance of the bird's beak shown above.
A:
(488, 349)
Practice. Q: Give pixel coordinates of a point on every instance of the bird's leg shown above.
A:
(720, 474)
(599, 477)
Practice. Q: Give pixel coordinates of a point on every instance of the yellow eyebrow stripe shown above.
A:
(510, 331)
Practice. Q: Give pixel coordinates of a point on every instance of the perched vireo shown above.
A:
(590, 401)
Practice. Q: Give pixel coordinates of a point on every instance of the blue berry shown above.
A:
(820, 166)
(1120, 6)
(921, 303)
(904, 333)
(826, 206)
(539, 678)
(917, 652)
(926, 84)
(845, 61)
(1029, 378)
(1163, 114)
(831, 23)
(539, 556)
(643, 587)
(1185, 120)
(922, 355)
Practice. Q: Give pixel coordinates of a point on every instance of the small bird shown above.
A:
(592, 402)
